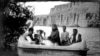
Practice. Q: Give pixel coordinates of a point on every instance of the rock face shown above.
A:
(75, 14)
(42, 20)
(81, 14)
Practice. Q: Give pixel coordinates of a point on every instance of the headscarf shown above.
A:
(54, 27)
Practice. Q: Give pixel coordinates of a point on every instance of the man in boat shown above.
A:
(54, 37)
(64, 36)
(32, 37)
(75, 37)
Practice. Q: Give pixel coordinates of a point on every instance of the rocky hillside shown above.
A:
(81, 14)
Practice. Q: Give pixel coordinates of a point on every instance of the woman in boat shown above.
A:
(64, 37)
(54, 37)
(75, 37)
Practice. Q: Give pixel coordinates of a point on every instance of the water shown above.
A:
(91, 35)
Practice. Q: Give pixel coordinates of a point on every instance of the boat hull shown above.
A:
(49, 52)
(27, 49)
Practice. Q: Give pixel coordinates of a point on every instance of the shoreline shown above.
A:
(69, 26)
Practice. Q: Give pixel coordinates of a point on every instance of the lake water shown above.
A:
(91, 35)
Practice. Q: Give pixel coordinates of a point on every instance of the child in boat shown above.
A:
(41, 35)
(54, 37)
(32, 37)
(75, 37)
(43, 40)
(64, 37)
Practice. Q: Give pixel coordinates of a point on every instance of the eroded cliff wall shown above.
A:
(75, 14)
(82, 14)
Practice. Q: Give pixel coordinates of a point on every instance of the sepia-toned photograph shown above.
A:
(49, 28)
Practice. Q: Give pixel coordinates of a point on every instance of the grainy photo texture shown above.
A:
(49, 28)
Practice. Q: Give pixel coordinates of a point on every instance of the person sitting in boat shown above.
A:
(42, 39)
(75, 37)
(32, 37)
(54, 37)
(64, 36)
(41, 35)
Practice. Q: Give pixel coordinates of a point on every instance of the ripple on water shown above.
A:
(94, 47)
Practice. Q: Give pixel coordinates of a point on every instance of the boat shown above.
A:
(27, 49)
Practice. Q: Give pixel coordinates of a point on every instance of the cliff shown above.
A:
(42, 20)
(81, 14)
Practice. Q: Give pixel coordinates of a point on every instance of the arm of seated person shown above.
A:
(29, 40)
(79, 38)
(71, 38)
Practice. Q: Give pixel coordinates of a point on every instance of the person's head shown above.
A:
(64, 28)
(54, 27)
(75, 31)
(30, 30)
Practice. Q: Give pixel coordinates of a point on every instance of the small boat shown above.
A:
(27, 49)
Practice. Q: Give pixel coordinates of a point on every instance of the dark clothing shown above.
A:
(31, 37)
(79, 38)
(65, 43)
(76, 38)
(54, 37)
(35, 38)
